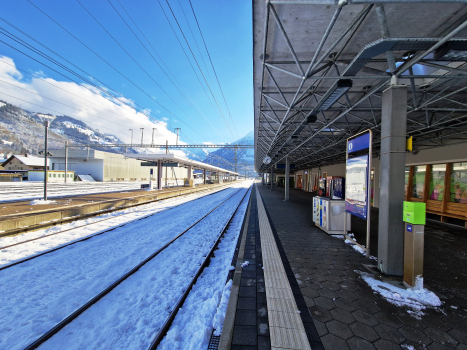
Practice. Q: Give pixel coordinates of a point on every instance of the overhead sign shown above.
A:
(174, 165)
(359, 143)
(282, 166)
(356, 193)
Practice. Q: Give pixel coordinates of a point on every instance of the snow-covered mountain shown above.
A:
(22, 131)
(225, 157)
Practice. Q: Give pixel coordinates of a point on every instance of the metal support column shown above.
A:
(159, 174)
(392, 165)
(287, 178)
(204, 176)
(272, 178)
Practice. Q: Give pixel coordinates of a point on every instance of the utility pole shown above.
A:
(142, 129)
(236, 148)
(131, 140)
(153, 136)
(177, 130)
(166, 146)
(66, 160)
(46, 119)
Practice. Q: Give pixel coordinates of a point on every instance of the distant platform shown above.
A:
(21, 216)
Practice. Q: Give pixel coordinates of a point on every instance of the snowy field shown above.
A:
(36, 295)
(13, 191)
(76, 230)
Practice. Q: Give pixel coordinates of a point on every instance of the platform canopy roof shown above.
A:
(182, 161)
(320, 67)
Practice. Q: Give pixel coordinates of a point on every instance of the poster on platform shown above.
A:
(356, 194)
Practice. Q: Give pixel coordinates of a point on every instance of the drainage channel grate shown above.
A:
(214, 342)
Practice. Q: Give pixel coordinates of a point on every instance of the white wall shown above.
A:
(93, 167)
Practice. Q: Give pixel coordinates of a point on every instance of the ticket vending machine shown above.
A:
(322, 186)
(338, 188)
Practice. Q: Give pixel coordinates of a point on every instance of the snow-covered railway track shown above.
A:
(94, 223)
(174, 308)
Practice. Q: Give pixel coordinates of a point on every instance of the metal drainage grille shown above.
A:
(214, 342)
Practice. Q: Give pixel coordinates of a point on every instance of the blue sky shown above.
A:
(226, 27)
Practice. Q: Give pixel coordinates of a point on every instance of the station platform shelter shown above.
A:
(374, 91)
(303, 288)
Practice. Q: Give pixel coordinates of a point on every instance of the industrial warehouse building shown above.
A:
(103, 166)
(106, 166)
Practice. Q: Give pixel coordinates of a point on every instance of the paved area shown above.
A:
(251, 328)
(445, 251)
(344, 311)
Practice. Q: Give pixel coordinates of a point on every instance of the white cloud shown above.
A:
(68, 98)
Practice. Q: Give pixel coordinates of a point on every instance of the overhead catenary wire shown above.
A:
(188, 59)
(212, 65)
(152, 119)
(196, 61)
(105, 61)
(133, 59)
(78, 109)
(80, 97)
(58, 55)
(67, 77)
(163, 70)
(196, 42)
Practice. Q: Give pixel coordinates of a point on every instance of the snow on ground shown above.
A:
(417, 299)
(37, 294)
(354, 246)
(41, 201)
(13, 191)
(130, 315)
(82, 228)
(205, 307)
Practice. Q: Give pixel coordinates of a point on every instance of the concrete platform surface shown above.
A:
(338, 309)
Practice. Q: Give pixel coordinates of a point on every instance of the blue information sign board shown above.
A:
(356, 194)
(359, 143)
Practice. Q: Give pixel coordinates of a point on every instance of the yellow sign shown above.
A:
(409, 144)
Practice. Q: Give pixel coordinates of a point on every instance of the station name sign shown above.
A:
(359, 143)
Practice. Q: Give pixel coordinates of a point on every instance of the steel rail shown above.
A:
(119, 216)
(165, 328)
(67, 320)
(84, 238)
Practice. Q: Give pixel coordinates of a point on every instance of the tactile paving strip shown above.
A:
(285, 324)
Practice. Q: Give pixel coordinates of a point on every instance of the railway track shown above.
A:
(164, 328)
(97, 233)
